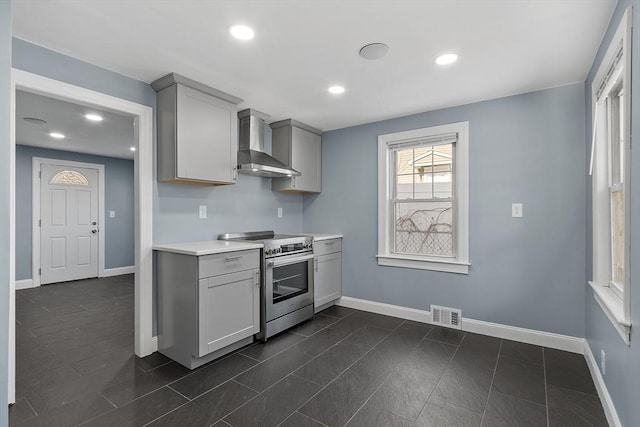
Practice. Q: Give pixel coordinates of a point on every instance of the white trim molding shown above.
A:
(529, 336)
(143, 173)
(607, 403)
(24, 284)
(119, 271)
(458, 132)
(37, 163)
(612, 306)
(613, 69)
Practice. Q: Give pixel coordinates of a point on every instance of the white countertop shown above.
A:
(207, 247)
(321, 236)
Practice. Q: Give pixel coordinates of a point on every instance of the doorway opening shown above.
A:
(142, 117)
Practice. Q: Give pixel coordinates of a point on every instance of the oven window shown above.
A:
(290, 281)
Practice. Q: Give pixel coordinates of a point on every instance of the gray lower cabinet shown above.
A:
(328, 272)
(197, 132)
(208, 306)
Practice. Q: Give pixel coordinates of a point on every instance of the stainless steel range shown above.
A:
(287, 279)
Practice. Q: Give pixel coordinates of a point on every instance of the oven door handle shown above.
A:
(283, 262)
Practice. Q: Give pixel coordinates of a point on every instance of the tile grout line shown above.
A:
(346, 369)
(495, 370)
(177, 392)
(546, 392)
(385, 380)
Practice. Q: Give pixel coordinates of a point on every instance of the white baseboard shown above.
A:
(24, 284)
(386, 309)
(529, 336)
(601, 387)
(109, 272)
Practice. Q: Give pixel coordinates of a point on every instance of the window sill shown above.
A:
(446, 266)
(611, 304)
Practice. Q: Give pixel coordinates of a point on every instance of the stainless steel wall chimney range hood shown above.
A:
(252, 160)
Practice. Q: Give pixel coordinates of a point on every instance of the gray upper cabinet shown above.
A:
(300, 147)
(197, 132)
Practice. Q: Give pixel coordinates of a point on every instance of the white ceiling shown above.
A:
(111, 137)
(303, 46)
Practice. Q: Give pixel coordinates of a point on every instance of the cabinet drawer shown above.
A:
(327, 246)
(229, 262)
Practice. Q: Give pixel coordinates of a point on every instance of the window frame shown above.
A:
(614, 298)
(385, 256)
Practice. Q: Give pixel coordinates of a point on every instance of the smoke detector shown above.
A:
(374, 51)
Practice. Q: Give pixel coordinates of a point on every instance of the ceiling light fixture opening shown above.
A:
(336, 90)
(241, 32)
(132, 148)
(93, 117)
(56, 135)
(446, 59)
(374, 51)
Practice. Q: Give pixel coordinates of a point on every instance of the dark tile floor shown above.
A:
(75, 365)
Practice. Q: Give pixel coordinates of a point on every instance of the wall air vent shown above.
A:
(445, 316)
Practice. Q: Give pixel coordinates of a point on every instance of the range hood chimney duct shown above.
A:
(252, 160)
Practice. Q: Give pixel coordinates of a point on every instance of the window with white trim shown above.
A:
(423, 200)
(610, 169)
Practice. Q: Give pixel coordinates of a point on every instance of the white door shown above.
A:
(69, 223)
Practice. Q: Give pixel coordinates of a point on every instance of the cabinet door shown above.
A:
(228, 309)
(306, 157)
(327, 278)
(206, 137)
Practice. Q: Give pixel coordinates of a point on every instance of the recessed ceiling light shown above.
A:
(254, 169)
(93, 117)
(56, 135)
(336, 90)
(446, 59)
(132, 148)
(374, 51)
(241, 32)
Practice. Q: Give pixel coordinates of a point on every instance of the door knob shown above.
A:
(94, 231)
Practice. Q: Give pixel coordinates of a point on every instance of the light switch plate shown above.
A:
(112, 214)
(202, 211)
(280, 213)
(516, 210)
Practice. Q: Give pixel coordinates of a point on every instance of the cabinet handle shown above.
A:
(293, 182)
(232, 258)
(316, 264)
(257, 278)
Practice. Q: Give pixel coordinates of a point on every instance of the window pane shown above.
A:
(425, 172)
(424, 228)
(617, 236)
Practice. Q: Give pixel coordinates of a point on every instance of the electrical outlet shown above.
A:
(202, 212)
(112, 214)
(516, 210)
(280, 214)
(603, 362)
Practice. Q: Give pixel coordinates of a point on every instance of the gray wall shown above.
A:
(119, 196)
(527, 272)
(5, 207)
(623, 373)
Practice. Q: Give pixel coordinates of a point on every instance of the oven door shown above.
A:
(288, 284)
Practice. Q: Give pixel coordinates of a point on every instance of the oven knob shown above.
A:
(267, 252)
